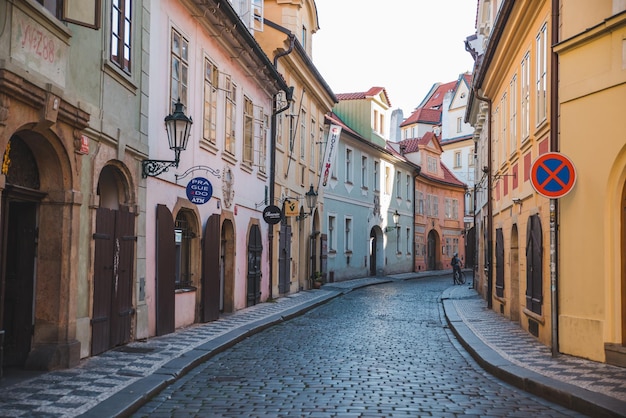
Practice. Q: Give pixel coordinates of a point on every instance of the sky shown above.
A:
(405, 46)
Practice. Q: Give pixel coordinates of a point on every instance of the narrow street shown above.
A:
(379, 351)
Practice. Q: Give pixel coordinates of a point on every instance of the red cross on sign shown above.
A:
(553, 175)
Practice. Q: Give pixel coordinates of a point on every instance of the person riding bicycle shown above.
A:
(456, 266)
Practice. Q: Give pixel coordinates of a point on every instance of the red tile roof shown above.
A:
(374, 91)
(435, 101)
(422, 115)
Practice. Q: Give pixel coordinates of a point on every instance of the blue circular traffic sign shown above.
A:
(553, 175)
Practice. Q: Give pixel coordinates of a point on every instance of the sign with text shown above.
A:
(199, 190)
(329, 155)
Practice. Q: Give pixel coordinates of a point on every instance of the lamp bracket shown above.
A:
(153, 168)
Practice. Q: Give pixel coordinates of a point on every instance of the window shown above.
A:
(121, 33)
(321, 143)
(542, 57)
(419, 207)
(348, 165)
(364, 172)
(348, 235)
(304, 37)
(279, 129)
(376, 120)
(209, 132)
(263, 141)
(525, 107)
(457, 159)
(312, 144)
(382, 124)
(503, 126)
(451, 208)
(513, 114)
(303, 122)
(376, 168)
(248, 131)
(182, 238)
(332, 238)
(230, 112)
(180, 69)
(398, 184)
(459, 124)
(387, 180)
(409, 184)
(432, 206)
(432, 165)
(407, 240)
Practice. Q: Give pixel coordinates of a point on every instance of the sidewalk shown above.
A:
(115, 383)
(508, 352)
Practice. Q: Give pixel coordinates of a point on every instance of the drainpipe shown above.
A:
(489, 203)
(554, 203)
(272, 179)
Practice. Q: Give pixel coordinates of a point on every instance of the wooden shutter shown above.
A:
(165, 271)
(211, 270)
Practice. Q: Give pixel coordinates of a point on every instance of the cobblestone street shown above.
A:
(379, 351)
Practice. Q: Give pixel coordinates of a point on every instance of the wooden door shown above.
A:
(21, 238)
(165, 271)
(255, 249)
(210, 309)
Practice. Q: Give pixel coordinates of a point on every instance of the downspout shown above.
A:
(272, 179)
(489, 203)
(554, 203)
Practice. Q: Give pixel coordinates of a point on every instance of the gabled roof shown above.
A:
(435, 98)
(414, 145)
(422, 115)
(374, 91)
(448, 176)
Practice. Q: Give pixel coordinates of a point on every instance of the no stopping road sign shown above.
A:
(553, 175)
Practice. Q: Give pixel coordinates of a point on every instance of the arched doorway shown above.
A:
(432, 250)
(534, 265)
(376, 250)
(20, 218)
(255, 251)
(623, 262)
(114, 255)
(39, 224)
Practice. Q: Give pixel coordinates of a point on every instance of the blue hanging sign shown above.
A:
(199, 190)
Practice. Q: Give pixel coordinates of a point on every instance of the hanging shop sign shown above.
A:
(199, 190)
(272, 214)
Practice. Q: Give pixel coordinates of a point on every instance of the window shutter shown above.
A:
(82, 12)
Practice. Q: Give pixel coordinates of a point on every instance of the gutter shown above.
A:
(554, 203)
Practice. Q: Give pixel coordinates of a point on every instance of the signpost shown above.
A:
(553, 175)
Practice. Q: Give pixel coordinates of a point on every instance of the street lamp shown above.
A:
(178, 127)
(310, 198)
(396, 221)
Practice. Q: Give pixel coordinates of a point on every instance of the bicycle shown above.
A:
(458, 276)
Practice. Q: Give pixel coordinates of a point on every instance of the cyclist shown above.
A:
(456, 267)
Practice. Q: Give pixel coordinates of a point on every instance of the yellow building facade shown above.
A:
(298, 141)
(592, 217)
(513, 83)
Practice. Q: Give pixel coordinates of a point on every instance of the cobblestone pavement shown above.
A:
(382, 351)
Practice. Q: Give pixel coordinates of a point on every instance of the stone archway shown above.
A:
(39, 202)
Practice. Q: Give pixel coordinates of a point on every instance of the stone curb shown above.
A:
(565, 394)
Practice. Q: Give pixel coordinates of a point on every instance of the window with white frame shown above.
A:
(348, 235)
(457, 159)
(264, 127)
(542, 82)
(279, 129)
(376, 175)
(525, 106)
(230, 115)
(407, 240)
(211, 75)
(503, 126)
(312, 134)
(398, 184)
(432, 206)
(332, 233)
(451, 208)
(459, 125)
(513, 114)
(248, 131)
(364, 172)
(419, 204)
(432, 164)
(409, 186)
(121, 35)
(375, 120)
(388, 180)
(321, 144)
(348, 165)
(180, 69)
(303, 122)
